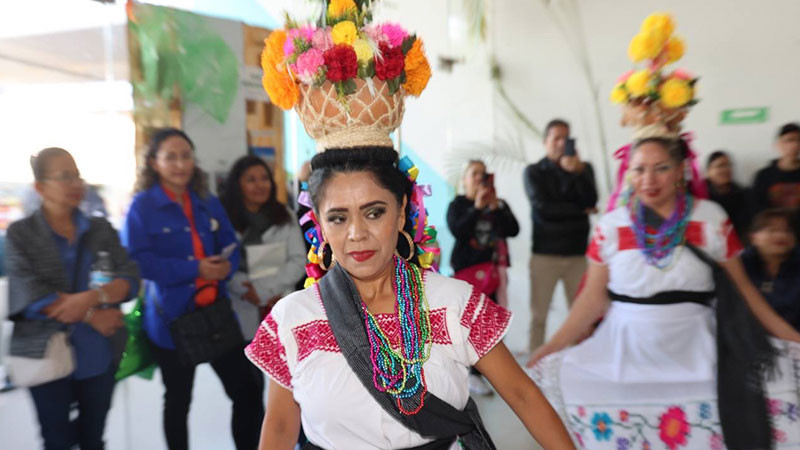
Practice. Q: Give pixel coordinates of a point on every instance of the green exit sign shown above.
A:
(739, 116)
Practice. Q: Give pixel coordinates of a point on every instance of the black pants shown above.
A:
(53, 403)
(242, 384)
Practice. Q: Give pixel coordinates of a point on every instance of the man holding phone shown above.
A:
(562, 193)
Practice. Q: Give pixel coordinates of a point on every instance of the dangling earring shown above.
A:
(325, 258)
(411, 246)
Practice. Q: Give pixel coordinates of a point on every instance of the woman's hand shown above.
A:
(540, 353)
(72, 308)
(214, 268)
(106, 321)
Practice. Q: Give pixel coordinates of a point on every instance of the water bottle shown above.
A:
(102, 271)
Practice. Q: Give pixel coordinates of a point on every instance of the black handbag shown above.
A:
(207, 332)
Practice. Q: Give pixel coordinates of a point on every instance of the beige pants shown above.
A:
(545, 272)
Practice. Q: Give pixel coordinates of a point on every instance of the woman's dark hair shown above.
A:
(764, 218)
(232, 197)
(715, 156)
(380, 162)
(41, 161)
(147, 176)
(677, 148)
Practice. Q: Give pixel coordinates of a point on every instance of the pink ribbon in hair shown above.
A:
(696, 185)
(417, 200)
(623, 155)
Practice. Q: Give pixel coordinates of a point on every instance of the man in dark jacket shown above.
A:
(562, 193)
(778, 184)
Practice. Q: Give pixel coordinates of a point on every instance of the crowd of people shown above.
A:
(176, 230)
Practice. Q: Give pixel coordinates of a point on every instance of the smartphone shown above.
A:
(569, 147)
(488, 180)
(228, 251)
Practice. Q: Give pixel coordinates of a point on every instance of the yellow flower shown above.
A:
(344, 33)
(675, 49)
(639, 83)
(280, 86)
(644, 45)
(619, 94)
(418, 71)
(338, 8)
(675, 93)
(660, 24)
(363, 50)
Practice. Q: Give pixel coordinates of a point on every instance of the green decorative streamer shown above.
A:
(178, 48)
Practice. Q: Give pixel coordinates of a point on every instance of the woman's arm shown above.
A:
(282, 422)
(524, 397)
(589, 306)
(773, 323)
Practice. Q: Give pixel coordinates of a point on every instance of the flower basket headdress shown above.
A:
(347, 79)
(655, 100)
(345, 76)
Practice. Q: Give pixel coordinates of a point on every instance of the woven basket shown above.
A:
(652, 120)
(365, 118)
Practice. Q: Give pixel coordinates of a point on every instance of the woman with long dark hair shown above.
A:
(177, 231)
(273, 252)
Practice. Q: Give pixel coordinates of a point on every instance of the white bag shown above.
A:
(58, 362)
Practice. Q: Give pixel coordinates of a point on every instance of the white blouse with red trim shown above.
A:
(296, 348)
(614, 244)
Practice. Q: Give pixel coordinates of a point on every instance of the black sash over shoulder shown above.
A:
(666, 298)
(437, 419)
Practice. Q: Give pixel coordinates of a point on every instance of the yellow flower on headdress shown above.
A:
(363, 50)
(280, 86)
(675, 93)
(645, 45)
(418, 70)
(660, 24)
(675, 49)
(344, 33)
(338, 8)
(639, 83)
(619, 94)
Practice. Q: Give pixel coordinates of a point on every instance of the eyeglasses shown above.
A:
(66, 178)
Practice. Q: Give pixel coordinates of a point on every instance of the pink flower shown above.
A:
(306, 32)
(579, 438)
(674, 428)
(623, 416)
(716, 442)
(624, 77)
(322, 39)
(394, 33)
(774, 407)
(581, 411)
(375, 34)
(308, 65)
(682, 74)
(778, 435)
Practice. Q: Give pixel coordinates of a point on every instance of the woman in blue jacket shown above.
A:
(176, 230)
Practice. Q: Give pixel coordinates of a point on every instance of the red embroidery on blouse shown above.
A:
(694, 235)
(487, 322)
(317, 335)
(595, 245)
(732, 242)
(267, 352)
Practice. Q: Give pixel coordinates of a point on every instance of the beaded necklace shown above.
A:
(399, 372)
(659, 247)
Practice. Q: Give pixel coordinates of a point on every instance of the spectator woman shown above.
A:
(273, 251)
(49, 258)
(176, 230)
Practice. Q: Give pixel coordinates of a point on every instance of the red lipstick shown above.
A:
(362, 256)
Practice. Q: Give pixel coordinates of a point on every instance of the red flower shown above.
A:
(674, 428)
(392, 64)
(341, 62)
(623, 416)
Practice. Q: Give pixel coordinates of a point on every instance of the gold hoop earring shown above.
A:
(411, 246)
(322, 255)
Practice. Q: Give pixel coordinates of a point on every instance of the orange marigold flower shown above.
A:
(418, 70)
(280, 86)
